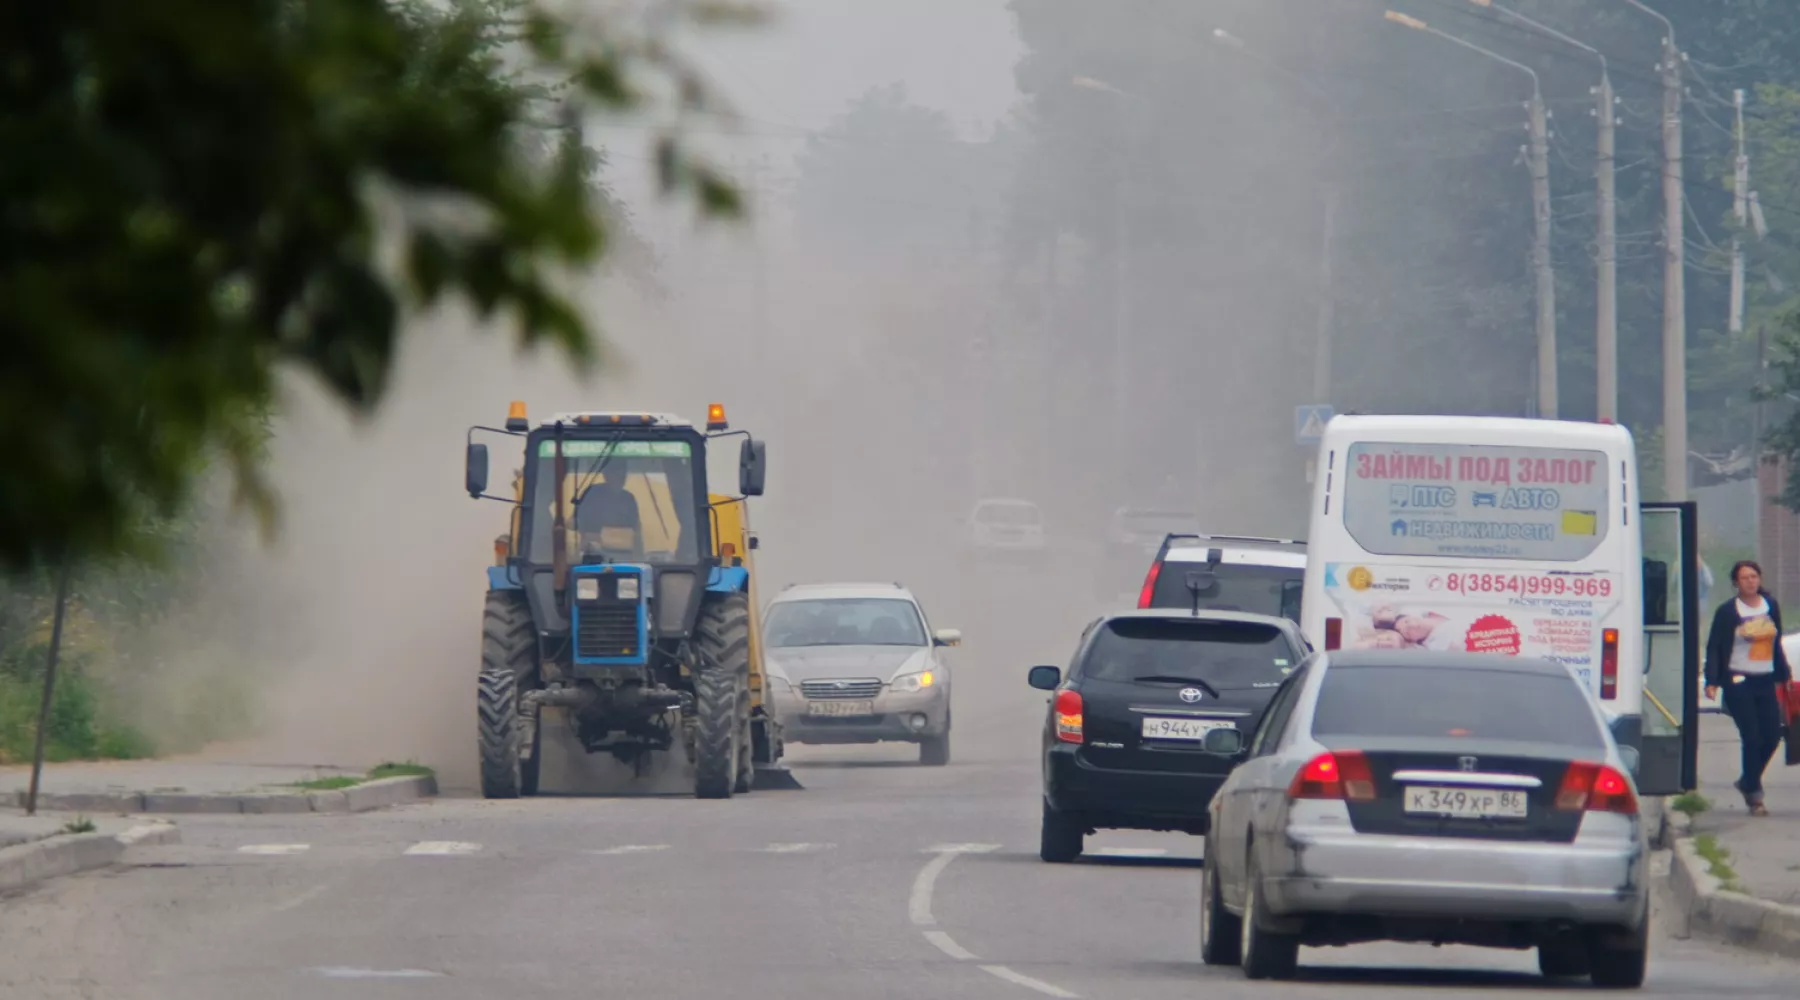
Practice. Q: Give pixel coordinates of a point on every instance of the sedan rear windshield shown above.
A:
(1221, 654)
(1455, 702)
(1259, 590)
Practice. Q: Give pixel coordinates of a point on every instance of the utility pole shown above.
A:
(1540, 257)
(1740, 210)
(1674, 339)
(1606, 302)
(43, 726)
(1327, 304)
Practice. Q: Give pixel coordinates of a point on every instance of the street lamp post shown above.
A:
(1606, 300)
(1322, 345)
(1675, 420)
(1540, 204)
(1122, 318)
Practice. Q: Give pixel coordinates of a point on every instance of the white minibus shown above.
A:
(1496, 535)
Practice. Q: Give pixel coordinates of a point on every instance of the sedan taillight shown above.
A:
(1343, 775)
(1592, 787)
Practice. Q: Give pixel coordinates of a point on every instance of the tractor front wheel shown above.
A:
(508, 663)
(721, 695)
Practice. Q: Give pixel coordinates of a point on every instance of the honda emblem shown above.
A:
(1466, 763)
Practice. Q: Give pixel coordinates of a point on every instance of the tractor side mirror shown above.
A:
(475, 470)
(752, 464)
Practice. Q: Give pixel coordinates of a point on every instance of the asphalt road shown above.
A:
(880, 880)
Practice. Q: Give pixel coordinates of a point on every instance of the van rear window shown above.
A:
(1260, 590)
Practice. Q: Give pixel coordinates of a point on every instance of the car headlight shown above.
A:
(908, 683)
(587, 588)
(628, 588)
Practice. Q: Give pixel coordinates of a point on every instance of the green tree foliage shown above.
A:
(199, 194)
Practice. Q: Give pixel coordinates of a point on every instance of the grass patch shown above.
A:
(1718, 861)
(409, 769)
(1691, 803)
(80, 824)
(338, 782)
(78, 730)
(330, 784)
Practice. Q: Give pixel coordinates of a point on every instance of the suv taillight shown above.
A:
(1068, 716)
(1149, 590)
(1591, 787)
(1343, 775)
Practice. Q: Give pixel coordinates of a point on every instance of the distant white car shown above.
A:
(857, 663)
(1006, 528)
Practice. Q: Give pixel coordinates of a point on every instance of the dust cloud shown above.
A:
(904, 348)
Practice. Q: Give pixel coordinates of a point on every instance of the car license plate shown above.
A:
(1465, 803)
(839, 709)
(1163, 728)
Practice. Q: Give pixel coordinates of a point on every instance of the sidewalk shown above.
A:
(207, 785)
(1764, 852)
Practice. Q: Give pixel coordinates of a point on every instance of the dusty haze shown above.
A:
(912, 322)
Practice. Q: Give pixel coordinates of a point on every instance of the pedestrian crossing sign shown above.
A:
(1309, 422)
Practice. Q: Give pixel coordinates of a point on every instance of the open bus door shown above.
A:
(1670, 745)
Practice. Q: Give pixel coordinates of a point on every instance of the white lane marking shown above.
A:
(919, 908)
(1130, 852)
(340, 972)
(1026, 981)
(302, 899)
(273, 848)
(948, 946)
(632, 849)
(443, 847)
(795, 848)
(918, 905)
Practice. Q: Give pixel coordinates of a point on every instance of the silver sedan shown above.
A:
(856, 663)
(1437, 798)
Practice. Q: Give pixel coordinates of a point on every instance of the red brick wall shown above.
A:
(1778, 544)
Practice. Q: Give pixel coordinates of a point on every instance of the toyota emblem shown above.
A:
(1191, 695)
(842, 685)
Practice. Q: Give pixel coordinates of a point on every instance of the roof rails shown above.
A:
(1173, 535)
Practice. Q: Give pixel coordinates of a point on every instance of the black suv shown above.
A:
(1124, 738)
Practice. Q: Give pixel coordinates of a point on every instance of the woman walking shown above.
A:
(1744, 658)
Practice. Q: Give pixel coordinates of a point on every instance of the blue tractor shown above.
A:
(623, 596)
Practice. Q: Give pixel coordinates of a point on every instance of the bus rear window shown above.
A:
(1482, 501)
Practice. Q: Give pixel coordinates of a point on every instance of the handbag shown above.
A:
(1789, 696)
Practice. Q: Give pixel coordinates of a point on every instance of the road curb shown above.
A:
(378, 794)
(1728, 916)
(67, 854)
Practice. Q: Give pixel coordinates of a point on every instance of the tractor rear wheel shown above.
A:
(508, 667)
(721, 695)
